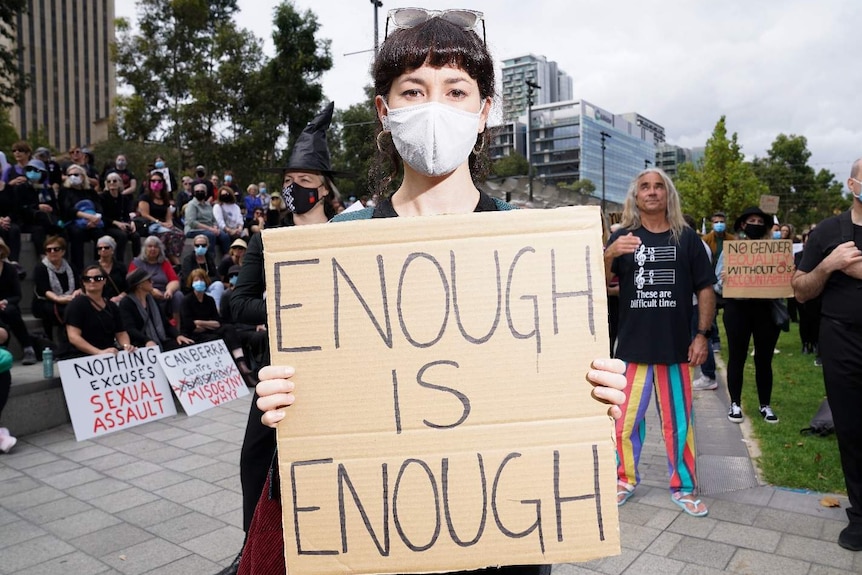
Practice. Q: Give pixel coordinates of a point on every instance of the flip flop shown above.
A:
(684, 500)
(625, 493)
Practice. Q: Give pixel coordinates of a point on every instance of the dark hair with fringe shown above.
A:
(437, 43)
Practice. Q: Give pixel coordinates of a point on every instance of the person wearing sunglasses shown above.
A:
(115, 284)
(81, 210)
(93, 323)
(202, 259)
(434, 86)
(116, 207)
(55, 286)
(13, 185)
(121, 168)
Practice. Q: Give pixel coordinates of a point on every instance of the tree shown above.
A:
(512, 165)
(585, 187)
(722, 181)
(8, 135)
(353, 145)
(805, 197)
(12, 82)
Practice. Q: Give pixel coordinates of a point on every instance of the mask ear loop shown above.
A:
(379, 145)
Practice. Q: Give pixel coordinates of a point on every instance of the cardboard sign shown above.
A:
(443, 419)
(758, 269)
(769, 204)
(106, 393)
(203, 375)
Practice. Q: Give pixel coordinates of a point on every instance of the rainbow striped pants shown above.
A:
(672, 387)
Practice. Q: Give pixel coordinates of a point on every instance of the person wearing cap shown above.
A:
(93, 324)
(11, 319)
(143, 319)
(55, 172)
(37, 205)
(747, 319)
(202, 259)
(233, 258)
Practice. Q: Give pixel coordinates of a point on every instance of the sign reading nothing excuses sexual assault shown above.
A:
(109, 392)
(443, 420)
(758, 268)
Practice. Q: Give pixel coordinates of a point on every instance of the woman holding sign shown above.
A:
(745, 319)
(434, 83)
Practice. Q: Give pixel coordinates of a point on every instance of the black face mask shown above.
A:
(226, 198)
(298, 199)
(201, 196)
(755, 231)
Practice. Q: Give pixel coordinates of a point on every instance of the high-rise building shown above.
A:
(566, 140)
(556, 85)
(669, 157)
(66, 52)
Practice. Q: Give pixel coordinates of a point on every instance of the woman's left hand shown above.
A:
(275, 392)
(609, 381)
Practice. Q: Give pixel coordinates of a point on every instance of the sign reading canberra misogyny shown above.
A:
(106, 393)
(758, 269)
(443, 420)
(203, 375)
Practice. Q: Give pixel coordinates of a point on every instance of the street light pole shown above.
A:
(647, 164)
(530, 87)
(377, 4)
(604, 135)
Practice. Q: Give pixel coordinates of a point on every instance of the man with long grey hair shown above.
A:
(660, 263)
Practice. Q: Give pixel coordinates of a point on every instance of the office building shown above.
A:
(669, 157)
(566, 140)
(66, 53)
(556, 85)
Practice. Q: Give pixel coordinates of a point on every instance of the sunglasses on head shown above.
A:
(405, 18)
(94, 279)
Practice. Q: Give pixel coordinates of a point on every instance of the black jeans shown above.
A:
(745, 319)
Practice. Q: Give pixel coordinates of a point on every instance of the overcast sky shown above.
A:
(770, 66)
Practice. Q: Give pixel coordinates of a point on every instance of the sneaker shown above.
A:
(734, 414)
(704, 383)
(7, 443)
(716, 346)
(767, 414)
(29, 357)
(818, 362)
(851, 537)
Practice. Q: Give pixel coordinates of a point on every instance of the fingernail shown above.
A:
(279, 415)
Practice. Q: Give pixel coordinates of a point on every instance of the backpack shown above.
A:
(821, 424)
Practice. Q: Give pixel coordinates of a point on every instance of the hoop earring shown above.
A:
(481, 146)
(379, 146)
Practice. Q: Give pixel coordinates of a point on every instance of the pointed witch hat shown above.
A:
(310, 151)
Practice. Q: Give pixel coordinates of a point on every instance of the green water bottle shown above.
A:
(47, 363)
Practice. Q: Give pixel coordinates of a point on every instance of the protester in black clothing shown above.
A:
(831, 268)
(116, 207)
(10, 302)
(115, 283)
(143, 318)
(55, 286)
(11, 182)
(37, 204)
(202, 259)
(55, 172)
(129, 186)
(81, 213)
(93, 324)
(809, 315)
(253, 338)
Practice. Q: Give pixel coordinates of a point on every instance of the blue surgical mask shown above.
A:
(859, 195)
(719, 227)
(159, 165)
(200, 250)
(776, 235)
(233, 280)
(199, 286)
(263, 190)
(228, 179)
(34, 175)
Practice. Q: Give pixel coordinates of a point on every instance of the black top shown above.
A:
(116, 209)
(10, 285)
(98, 326)
(841, 296)
(190, 264)
(134, 323)
(71, 196)
(42, 283)
(115, 284)
(192, 309)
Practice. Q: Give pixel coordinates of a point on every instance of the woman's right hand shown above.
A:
(275, 392)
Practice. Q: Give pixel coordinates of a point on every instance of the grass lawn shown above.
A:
(788, 458)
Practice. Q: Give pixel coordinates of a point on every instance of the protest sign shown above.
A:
(107, 392)
(769, 204)
(203, 375)
(758, 269)
(443, 420)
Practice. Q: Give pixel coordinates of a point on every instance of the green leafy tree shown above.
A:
(353, 145)
(805, 197)
(8, 135)
(512, 165)
(722, 181)
(585, 187)
(12, 82)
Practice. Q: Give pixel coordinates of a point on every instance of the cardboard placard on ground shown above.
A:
(203, 375)
(758, 269)
(443, 419)
(106, 393)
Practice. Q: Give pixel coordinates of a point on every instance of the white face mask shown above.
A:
(434, 139)
(75, 180)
